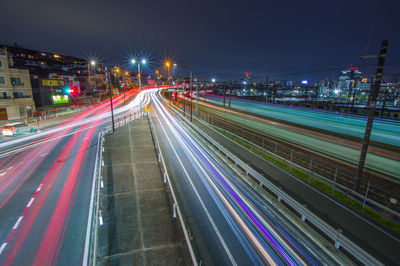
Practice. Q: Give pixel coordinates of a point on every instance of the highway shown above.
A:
(382, 131)
(229, 222)
(325, 145)
(45, 184)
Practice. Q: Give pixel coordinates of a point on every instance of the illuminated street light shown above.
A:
(93, 63)
(213, 80)
(168, 66)
(143, 62)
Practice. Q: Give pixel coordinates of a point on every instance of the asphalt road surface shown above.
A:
(229, 223)
(45, 185)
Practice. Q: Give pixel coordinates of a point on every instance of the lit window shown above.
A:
(2, 81)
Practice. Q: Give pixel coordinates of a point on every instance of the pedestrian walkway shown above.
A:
(138, 227)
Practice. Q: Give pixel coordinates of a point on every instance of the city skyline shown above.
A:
(265, 38)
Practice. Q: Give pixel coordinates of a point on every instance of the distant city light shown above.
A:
(213, 80)
(336, 91)
(144, 61)
(305, 82)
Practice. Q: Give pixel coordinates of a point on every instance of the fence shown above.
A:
(167, 180)
(316, 169)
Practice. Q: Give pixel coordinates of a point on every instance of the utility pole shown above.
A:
(111, 103)
(266, 90)
(383, 102)
(224, 92)
(275, 89)
(229, 99)
(197, 96)
(371, 112)
(353, 99)
(190, 96)
(184, 99)
(140, 89)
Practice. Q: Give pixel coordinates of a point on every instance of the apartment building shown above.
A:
(16, 99)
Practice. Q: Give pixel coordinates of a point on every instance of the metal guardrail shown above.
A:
(370, 192)
(312, 174)
(335, 234)
(167, 180)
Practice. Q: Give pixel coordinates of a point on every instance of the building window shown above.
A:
(16, 81)
(18, 94)
(2, 81)
(1, 64)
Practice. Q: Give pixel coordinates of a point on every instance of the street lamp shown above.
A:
(168, 66)
(141, 62)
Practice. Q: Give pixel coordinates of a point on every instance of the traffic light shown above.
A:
(69, 90)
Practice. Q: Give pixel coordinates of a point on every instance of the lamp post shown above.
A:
(108, 80)
(141, 62)
(91, 65)
(168, 66)
(190, 89)
(111, 103)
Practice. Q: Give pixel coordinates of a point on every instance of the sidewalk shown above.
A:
(138, 227)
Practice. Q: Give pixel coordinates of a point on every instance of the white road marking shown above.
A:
(5, 171)
(211, 220)
(39, 188)
(101, 220)
(44, 154)
(3, 246)
(85, 260)
(30, 202)
(17, 223)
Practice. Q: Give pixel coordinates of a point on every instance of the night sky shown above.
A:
(220, 39)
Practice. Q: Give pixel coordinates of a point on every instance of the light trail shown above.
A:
(65, 171)
(255, 217)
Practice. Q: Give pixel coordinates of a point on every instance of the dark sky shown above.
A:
(220, 38)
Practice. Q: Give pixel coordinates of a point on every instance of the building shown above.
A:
(54, 89)
(43, 65)
(346, 79)
(16, 99)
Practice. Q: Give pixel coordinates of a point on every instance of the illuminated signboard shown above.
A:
(60, 99)
(52, 83)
